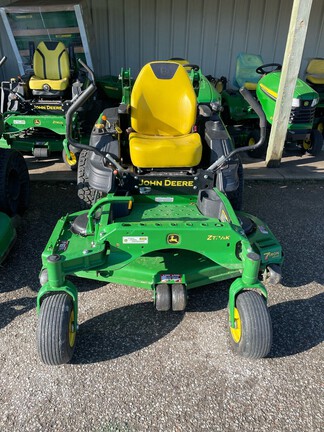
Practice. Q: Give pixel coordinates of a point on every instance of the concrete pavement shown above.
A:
(292, 168)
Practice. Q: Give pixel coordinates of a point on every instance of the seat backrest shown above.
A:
(51, 61)
(315, 71)
(246, 65)
(163, 101)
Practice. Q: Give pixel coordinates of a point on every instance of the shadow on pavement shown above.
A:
(297, 326)
(122, 331)
(13, 308)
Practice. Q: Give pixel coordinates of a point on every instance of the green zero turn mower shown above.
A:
(263, 80)
(158, 177)
(34, 106)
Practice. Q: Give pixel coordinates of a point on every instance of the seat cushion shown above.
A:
(36, 83)
(148, 151)
(51, 67)
(315, 71)
(250, 85)
(163, 101)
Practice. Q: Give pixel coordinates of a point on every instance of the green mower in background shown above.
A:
(156, 182)
(112, 87)
(14, 193)
(34, 106)
(263, 80)
(315, 78)
(14, 196)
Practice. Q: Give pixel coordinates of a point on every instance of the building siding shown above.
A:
(210, 33)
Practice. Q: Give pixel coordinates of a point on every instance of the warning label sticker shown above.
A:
(135, 240)
(174, 278)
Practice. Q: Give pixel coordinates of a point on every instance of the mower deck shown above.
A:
(156, 242)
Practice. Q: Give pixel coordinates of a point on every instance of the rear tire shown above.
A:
(252, 335)
(87, 195)
(14, 182)
(56, 329)
(316, 142)
(252, 139)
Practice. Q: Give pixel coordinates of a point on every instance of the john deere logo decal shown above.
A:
(306, 103)
(173, 239)
(37, 122)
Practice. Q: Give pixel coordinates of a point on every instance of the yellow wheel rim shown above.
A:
(73, 159)
(72, 329)
(219, 86)
(320, 127)
(236, 331)
(306, 145)
(251, 142)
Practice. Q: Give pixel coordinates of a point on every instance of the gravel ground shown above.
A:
(137, 370)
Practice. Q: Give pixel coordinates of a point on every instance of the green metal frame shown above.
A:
(205, 91)
(136, 250)
(15, 128)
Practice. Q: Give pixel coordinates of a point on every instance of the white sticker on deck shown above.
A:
(19, 122)
(135, 240)
(163, 199)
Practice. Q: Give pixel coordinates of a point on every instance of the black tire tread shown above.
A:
(86, 193)
(317, 143)
(52, 337)
(12, 160)
(256, 337)
(163, 297)
(179, 297)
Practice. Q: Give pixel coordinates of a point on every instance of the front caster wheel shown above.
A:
(162, 297)
(251, 335)
(56, 332)
(179, 297)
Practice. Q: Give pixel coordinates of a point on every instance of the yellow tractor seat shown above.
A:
(315, 71)
(163, 113)
(51, 68)
(250, 85)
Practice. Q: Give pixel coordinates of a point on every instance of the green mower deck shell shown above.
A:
(267, 92)
(168, 242)
(7, 235)
(27, 132)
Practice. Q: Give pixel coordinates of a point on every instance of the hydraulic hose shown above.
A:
(76, 105)
(69, 115)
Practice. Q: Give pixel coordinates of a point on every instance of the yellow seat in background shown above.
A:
(315, 71)
(51, 67)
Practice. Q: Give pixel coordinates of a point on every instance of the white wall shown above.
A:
(208, 32)
(129, 33)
